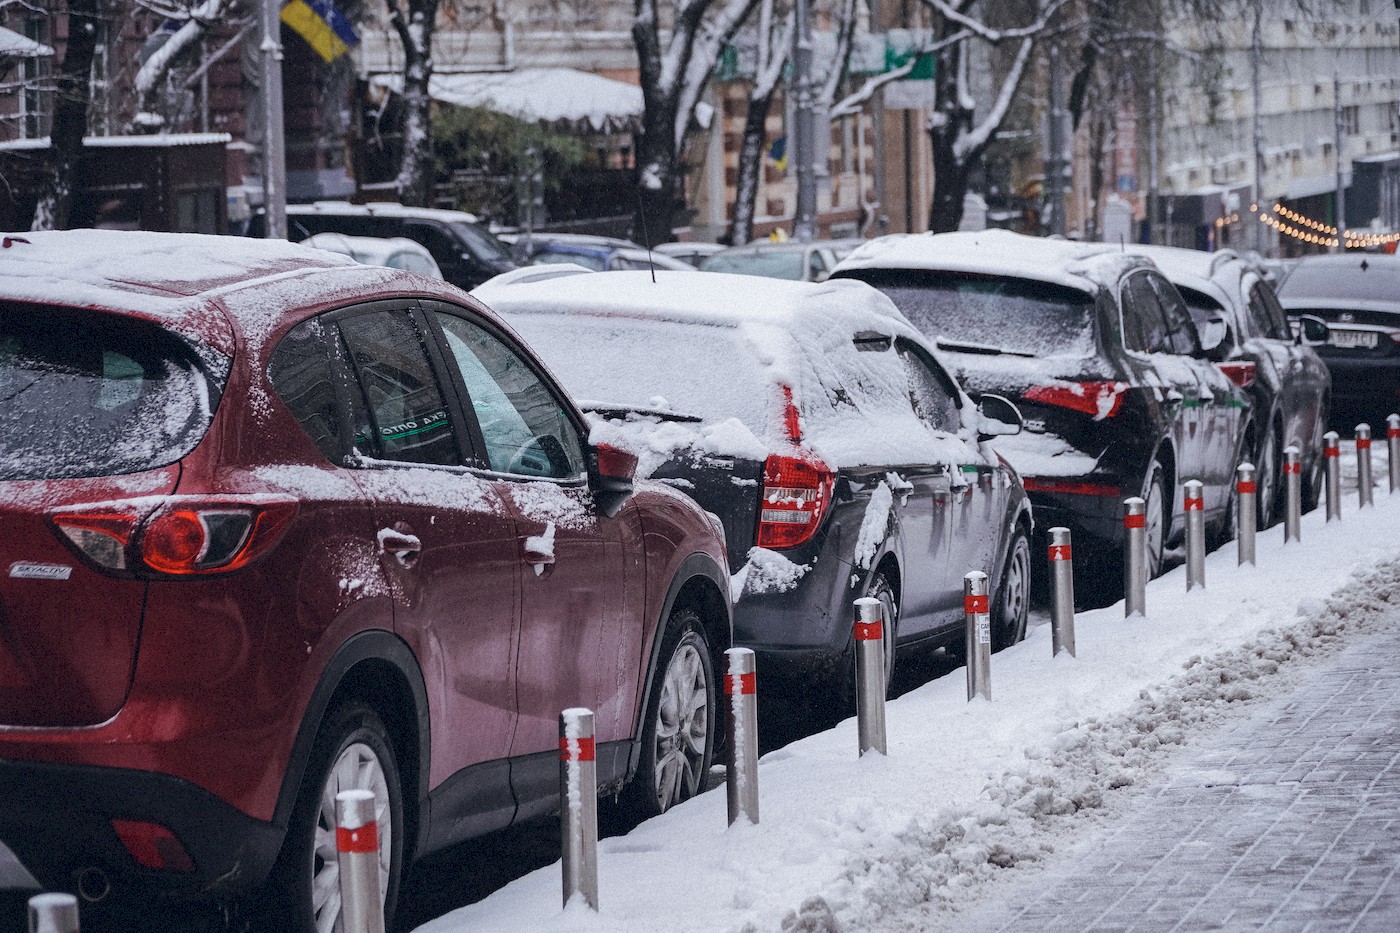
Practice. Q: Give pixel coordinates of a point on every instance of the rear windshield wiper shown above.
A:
(958, 347)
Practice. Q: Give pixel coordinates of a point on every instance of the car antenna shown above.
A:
(646, 237)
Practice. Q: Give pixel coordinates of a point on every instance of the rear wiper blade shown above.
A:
(959, 347)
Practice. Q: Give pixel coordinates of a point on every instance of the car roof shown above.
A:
(1215, 274)
(369, 249)
(380, 209)
(1361, 281)
(1085, 266)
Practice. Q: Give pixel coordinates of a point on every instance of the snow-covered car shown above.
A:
(1100, 352)
(277, 525)
(395, 252)
(821, 429)
(690, 251)
(798, 262)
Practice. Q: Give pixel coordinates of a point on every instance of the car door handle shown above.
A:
(404, 547)
(538, 556)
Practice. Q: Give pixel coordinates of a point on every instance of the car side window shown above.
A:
(408, 415)
(1144, 329)
(930, 396)
(300, 370)
(1182, 338)
(525, 429)
(445, 248)
(1264, 305)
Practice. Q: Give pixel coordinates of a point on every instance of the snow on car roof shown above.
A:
(1216, 274)
(997, 252)
(380, 209)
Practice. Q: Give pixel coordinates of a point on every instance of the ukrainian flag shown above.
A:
(322, 25)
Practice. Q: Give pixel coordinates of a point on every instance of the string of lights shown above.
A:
(1301, 227)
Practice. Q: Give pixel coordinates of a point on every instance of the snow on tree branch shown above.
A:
(997, 36)
(199, 19)
(969, 142)
(851, 104)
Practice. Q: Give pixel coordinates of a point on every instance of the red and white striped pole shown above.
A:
(869, 634)
(1331, 456)
(578, 797)
(1364, 485)
(1293, 494)
(1062, 592)
(1246, 512)
(741, 777)
(1392, 442)
(1193, 500)
(53, 913)
(357, 846)
(978, 638)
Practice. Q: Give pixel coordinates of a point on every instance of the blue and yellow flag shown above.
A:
(322, 25)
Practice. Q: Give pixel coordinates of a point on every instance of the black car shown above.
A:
(1099, 352)
(466, 252)
(820, 429)
(1358, 296)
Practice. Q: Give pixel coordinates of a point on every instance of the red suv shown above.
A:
(276, 525)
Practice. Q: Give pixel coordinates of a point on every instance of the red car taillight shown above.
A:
(1099, 399)
(796, 493)
(1240, 372)
(181, 536)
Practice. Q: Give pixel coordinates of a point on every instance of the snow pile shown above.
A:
(655, 440)
(971, 789)
(765, 572)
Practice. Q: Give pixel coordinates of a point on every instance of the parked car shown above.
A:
(799, 262)
(306, 525)
(395, 252)
(690, 252)
(1287, 383)
(524, 245)
(822, 430)
(1358, 296)
(606, 258)
(466, 252)
(1100, 352)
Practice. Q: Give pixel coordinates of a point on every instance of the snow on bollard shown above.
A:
(1245, 514)
(578, 791)
(53, 913)
(1193, 499)
(1062, 592)
(357, 846)
(1363, 466)
(978, 639)
(1392, 442)
(1293, 494)
(1135, 560)
(870, 674)
(741, 778)
(1332, 457)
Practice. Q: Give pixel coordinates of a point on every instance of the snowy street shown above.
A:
(917, 840)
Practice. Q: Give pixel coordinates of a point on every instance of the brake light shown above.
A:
(1240, 372)
(796, 493)
(1099, 399)
(180, 536)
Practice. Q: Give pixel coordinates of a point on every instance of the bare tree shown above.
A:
(73, 88)
(197, 20)
(414, 21)
(773, 48)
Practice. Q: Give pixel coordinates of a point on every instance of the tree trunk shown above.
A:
(750, 169)
(949, 184)
(415, 179)
(73, 89)
(656, 181)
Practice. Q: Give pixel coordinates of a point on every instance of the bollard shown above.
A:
(1392, 442)
(1135, 560)
(578, 793)
(870, 674)
(978, 639)
(1193, 500)
(1292, 494)
(1332, 458)
(357, 845)
(1363, 466)
(53, 913)
(1062, 592)
(741, 778)
(1245, 512)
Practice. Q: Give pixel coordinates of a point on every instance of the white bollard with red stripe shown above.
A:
(1392, 443)
(1135, 560)
(1245, 512)
(741, 777)
(53, 913)
(1331, 456)
(1293, 494)
(357, 847)
(870, 674)
(1364, 483)
(1062, 592)
(578, 817)
(1193, 500)
(978, 639)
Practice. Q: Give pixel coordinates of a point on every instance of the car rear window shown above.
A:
(1379, 281)
(91, 394)
(1012, 315)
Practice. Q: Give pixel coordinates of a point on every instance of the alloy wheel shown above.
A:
(1264, 474)
(1154, 522)
(356, 768)
(682, 727)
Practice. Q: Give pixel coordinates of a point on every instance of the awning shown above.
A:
(14, 45)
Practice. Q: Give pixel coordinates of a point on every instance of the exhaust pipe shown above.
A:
(93, 884)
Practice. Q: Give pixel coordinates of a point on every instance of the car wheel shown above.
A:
(1154, 493)
(1266, 476)
(880, 588)
(1013, 601)
(678, 736)
(352, 752)
(1313, 482)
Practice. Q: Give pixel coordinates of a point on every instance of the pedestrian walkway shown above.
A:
(1288, 821)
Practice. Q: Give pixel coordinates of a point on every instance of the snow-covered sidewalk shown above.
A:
(970, 789)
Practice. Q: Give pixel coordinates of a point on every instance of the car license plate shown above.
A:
(1354, 339)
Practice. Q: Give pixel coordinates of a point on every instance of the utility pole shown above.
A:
(805, 128)
(1255, 61)
(274, 174)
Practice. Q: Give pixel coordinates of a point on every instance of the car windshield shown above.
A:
(482, 244)
(774, 264)
(991, 313)
(1380, 281)
(85, 394)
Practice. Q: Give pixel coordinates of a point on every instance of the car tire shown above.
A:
(880, 588)
(678, 734)
(1157, 517)
(352, 751)
(1267, 473)
(1013, 598)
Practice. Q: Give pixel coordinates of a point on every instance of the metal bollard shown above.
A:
(1245, 512)
(741, 777)
(357, 846)
(1193, 500)
(1392, 441)
(977, 606)
(1061, 592)
(1135, 560)
(1364, 491)
(53, 913)
(1292, 494)
(870, 674)
(578, 818)
(1332, 458)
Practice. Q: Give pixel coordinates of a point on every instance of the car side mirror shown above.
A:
(611, 471)
(1312, 331)
(997, 417)
(1213, 333)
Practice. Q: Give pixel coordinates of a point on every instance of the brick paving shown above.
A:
(1287, 821)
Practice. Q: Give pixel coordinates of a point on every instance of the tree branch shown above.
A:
(851, 104)
(977, 138)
